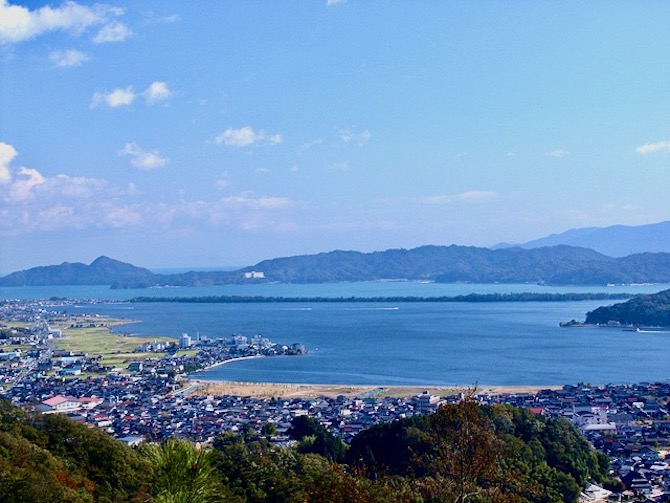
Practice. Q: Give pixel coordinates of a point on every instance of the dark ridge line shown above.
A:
(473, 297)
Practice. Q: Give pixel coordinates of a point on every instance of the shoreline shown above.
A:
(224, 362)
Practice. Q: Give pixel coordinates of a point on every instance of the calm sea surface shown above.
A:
(398, 343)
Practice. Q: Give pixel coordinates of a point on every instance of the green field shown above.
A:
(115, 350)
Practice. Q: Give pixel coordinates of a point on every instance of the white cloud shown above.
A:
(650, 148)
(559, 153)
(66, 59)
(26, 180)
(157, 92)
(7, 155)
(118, 97)
(112, 32)
(330, 3)
(142, 159)
(246, 136)
(34, 202)
(18, 23)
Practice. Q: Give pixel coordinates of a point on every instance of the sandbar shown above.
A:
(288, 390)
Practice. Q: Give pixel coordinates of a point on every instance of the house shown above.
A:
(637, 482)
(59, 404)
(64, 404)
(132, 440)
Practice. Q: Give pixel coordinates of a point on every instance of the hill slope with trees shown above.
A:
(558, 265)
(641, 311)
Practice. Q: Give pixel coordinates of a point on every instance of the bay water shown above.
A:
(401, 343)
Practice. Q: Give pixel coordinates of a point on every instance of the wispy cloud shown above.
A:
(35, 202)
(341, 167)
(330, 3)
(223, 183)
(354, 135)
(559, 153)
(143, 159)
(18, 23)
(311, 144)
(157, 92)
(245, 137)
(247, 201)
(153, 18)
(469, 196)
(112, 32)
(650, 148)
(69, 58)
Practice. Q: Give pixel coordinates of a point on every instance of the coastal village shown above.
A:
(150, 397)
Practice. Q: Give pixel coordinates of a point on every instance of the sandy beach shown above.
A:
(230, 360)
(286, 390)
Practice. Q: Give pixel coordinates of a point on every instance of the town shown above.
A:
(151, 397)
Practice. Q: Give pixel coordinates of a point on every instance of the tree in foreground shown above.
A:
(182, 473)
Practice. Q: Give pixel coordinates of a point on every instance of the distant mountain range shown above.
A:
(560, 265)
(614, 241)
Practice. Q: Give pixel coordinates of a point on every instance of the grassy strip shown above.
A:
(115, 350)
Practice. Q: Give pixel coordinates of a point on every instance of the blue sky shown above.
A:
(173, 134)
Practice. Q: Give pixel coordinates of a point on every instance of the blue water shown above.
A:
(403, 343)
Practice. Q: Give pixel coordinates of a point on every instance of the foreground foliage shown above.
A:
(462, 453)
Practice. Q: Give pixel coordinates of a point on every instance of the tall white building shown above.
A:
(185, 340)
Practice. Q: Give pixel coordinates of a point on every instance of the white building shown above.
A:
(425, 402)
(185, 340)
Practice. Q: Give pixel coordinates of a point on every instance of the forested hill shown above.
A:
(558, 265)
(641, 311)
(102, 271)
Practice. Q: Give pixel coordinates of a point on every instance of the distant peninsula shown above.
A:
(640, 311)
(472, 298)
(553, 265)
